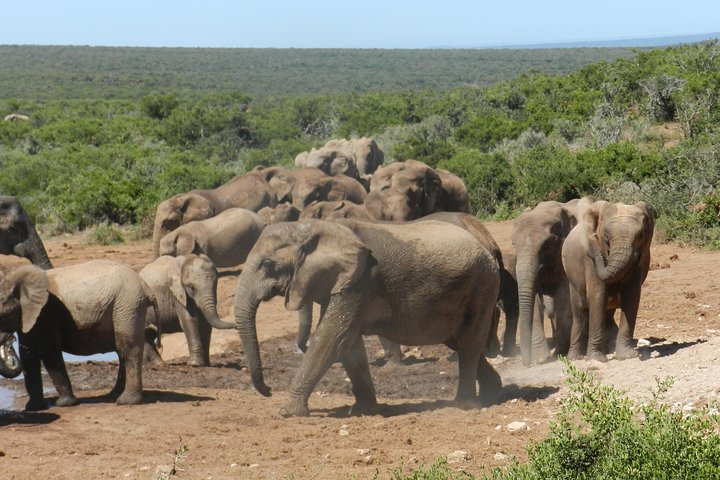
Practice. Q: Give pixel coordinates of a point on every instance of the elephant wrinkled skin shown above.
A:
(607, 258)
(417, 284)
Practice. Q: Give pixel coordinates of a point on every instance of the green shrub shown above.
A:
(105, 235)
(602, 434)
(158, 106)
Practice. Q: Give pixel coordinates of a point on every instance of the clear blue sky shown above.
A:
(344, 24)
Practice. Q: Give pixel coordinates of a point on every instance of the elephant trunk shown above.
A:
(208, 307)
(527, 273)
(37, 252)
(620, 256)
(246, 306)
(158, 233)
(10, 366)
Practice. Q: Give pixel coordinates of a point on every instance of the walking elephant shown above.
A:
(186, 291)
(93, 307)
(607, 258)
(226, 238)
(538, 236)
(414, 284)
(17, 237)
(250, 191)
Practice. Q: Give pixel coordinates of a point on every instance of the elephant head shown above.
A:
(193, 283)
(305, 261)
(334, 210)
(619, 236)
(178, 242)
(284, 212)
(179, 210)
(403, 191)
(333, 159)
(23, 294)
(538, 236)
(18, 235)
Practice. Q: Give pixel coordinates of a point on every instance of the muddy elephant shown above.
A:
(226, 238)
(17, 237)
(607, 258)
(93, 307)
(250, 191)
(355, 158)
(538, 236)
(283, 212)
(185, 288)
(414, 284)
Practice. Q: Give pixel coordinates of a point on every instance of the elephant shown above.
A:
(333, 210)
(17, 237)
(404, 191)
(538, 236)
(186, 291)
(607, 258)
(454, 196)
(283, 212)
(84, 309)
(417, 284)
(226, 238)
(250, 191)
(302, 186)
(356, 158)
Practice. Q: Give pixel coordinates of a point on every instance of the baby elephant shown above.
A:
(226, 238)
(89, 308)
(186, 292)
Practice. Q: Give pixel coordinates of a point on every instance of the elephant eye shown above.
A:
(267, 264)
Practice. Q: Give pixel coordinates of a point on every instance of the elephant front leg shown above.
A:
(578, 330)
(333, 338)
(630, 302)
(198, 355)
(356, 365)
(55, 366)
(597, 328)
(33, 378)
(562, 320)
(540, 349)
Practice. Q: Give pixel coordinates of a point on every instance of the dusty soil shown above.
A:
(230, 431)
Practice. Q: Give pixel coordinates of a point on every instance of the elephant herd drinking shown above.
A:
(384, 250)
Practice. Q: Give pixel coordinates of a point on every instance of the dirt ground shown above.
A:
(227, 430)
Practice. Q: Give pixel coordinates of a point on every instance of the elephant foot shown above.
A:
(36, 405)
(510, 350)
(626, 353)
(365, 407)
(67, 401)
(574, 355)
(597, 356)
(493, 347)
(296, 408)
(468, 403)
(194, 362)
(130, 398)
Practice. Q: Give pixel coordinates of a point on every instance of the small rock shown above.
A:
(515, 426)
(363, 451)
(642, 342)
(144, 468)
(458, 456)
(500, 457)
(344, 433)
(368, 459)
(233, 465)
(254, 465)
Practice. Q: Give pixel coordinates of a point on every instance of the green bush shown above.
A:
(602, 434)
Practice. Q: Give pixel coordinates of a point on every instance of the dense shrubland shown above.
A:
(638, 127)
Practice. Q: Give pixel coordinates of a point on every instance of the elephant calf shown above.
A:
(89, 308)
(186, 292)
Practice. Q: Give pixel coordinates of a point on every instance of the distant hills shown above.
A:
(621, 43)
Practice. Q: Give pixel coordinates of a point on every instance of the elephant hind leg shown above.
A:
(356, 365)
(129, 347)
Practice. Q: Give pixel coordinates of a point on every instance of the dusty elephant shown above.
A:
(226, 238)
(607, 258)
(355, 158)
(413, 284)
(250, 191)
(185, 288)
(89, 308)
(333, 210)
(283, 212)
(17, 237)
(538, 236)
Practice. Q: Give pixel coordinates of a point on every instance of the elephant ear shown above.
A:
(195, 207)
(185, 243)
(282, 183)
(330, 259)
(176, 287)
(31, 284)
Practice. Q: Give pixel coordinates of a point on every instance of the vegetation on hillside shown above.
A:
(636, 128)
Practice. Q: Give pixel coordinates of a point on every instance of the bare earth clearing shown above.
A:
(233, 432)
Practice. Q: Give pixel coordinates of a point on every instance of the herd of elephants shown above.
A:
(387, 250)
